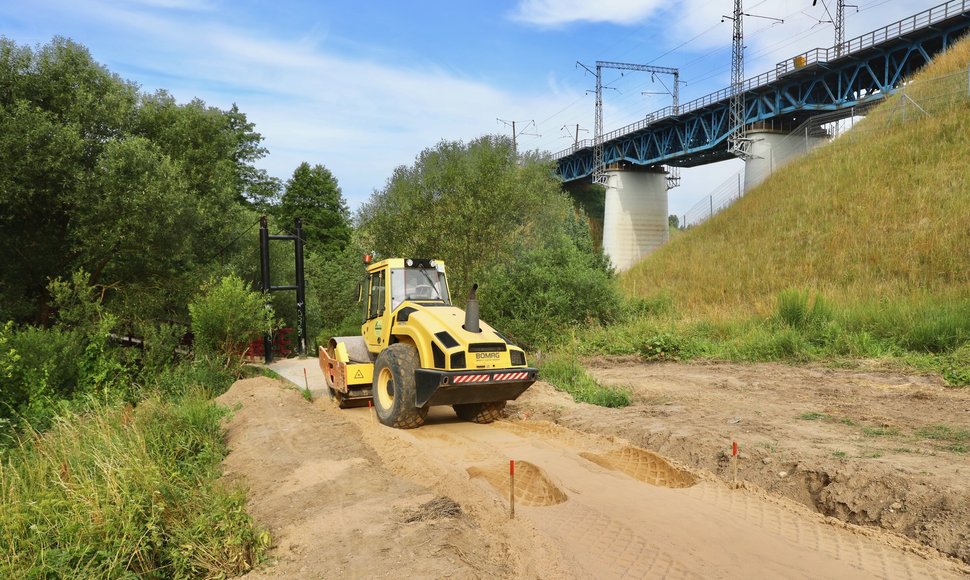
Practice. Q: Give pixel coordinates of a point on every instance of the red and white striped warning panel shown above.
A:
(484, 378)
(516, 376)
(470, 379)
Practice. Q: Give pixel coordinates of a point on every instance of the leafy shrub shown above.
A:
(661, 347)
(956, 370)
(66, 366)
(566, 374)
(226, 316)
(537, 297)
(77, 302)
(161, 347)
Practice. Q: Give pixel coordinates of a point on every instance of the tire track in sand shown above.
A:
(629, 513)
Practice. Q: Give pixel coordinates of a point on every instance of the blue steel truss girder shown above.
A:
(698, 136)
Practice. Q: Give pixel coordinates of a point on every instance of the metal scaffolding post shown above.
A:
(737, 144)
(599, 166)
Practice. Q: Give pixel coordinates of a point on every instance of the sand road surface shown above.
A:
(345, 497)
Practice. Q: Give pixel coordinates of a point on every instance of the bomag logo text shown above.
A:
(487, 355)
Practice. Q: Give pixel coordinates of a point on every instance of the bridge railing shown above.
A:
(914, 101)
(815, 56)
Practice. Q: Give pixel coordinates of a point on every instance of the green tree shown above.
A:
(332, 291)
(557, 283)
(472, 205)
(314, 195)
(148, 195)
(215, 148)
(134, 208)
(673, 221)
(58, 109)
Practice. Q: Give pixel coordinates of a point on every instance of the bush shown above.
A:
(956, 369)
(537, 297)
(160, 350)
(226, 316)
(66, 366)
(661, 346)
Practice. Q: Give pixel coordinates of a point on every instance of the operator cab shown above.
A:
(419, 281)
(394, 281)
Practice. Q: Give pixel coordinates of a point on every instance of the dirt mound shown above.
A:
(532, 487)
(643, 465)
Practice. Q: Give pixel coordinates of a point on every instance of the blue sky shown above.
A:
(362, 87)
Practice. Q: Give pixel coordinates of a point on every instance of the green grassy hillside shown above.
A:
(881, 215)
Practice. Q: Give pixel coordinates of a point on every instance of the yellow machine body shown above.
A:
(461, 360)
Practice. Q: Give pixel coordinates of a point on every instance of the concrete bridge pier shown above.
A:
(770, 150)
(635, 218)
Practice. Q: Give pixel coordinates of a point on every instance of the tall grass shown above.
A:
(879, 214)
(565, 373)
(125, 491)
(932, 335)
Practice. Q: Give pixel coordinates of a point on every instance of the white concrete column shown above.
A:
(635, 220)
(771, 150)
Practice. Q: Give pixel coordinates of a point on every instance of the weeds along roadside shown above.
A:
(929, 335)
(125, 489)
(110, 457)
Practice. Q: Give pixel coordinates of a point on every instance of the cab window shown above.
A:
(397, 288)
(377, 289)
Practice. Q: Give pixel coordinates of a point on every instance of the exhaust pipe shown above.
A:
(471, 312)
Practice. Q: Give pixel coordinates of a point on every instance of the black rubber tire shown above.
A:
(394, 371)
(480, 412)
(332, 393)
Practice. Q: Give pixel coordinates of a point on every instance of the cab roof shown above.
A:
(406, 263)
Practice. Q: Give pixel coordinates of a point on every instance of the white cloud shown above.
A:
(360, 116)
(363, 115)
(553, 13)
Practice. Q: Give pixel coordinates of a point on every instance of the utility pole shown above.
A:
(838, 22)
(573, 135)
(599, 168)
(515, 134)
(737, 142)
(599, 172)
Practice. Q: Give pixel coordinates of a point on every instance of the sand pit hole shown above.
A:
(644, 465)
(532, 487)
(436, 509)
